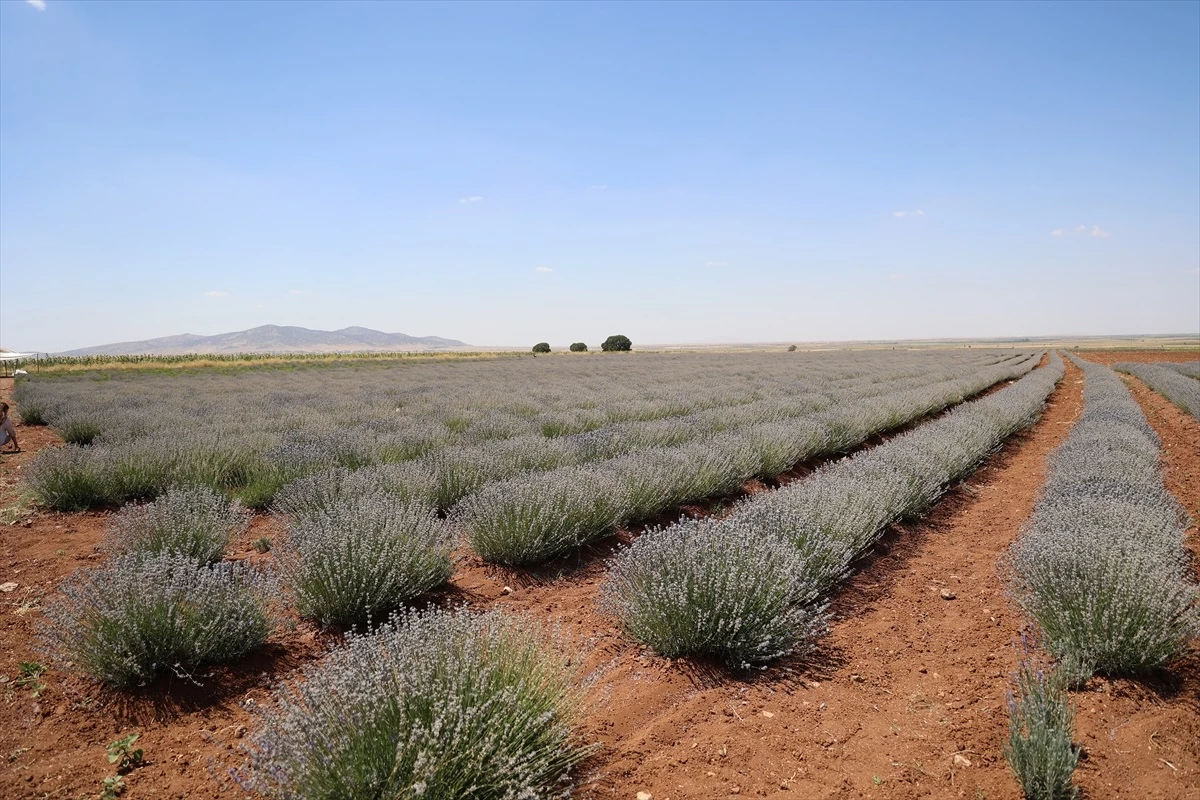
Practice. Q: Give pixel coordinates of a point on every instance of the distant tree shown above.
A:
(579, 347)
(617, 342)
(791, 348)
(541, 347)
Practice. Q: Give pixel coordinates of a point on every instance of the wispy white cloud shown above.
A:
(40, 5)
(469, 200)
(897, 276)
(598, 187)
(299, 291)
(903, 214)
(216, 294)
(1094, 231)
(716, 263)
(543, 269)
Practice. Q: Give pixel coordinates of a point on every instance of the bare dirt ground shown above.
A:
(904, 699)
(1113, 356)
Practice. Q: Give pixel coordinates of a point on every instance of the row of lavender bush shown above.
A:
(1188, 368)
(255, 431)
(1172, 381)
(748, 588)
(362, 543)
(1102, 567)
(444, 477)
(1101, 570)
(533, 518)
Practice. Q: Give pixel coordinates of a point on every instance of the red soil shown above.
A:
(905, 697)
(1113, 356)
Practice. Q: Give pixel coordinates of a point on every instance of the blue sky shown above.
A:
(511, 173)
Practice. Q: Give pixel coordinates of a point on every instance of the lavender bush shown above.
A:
(435, 704)
(702, 589)
(364, 558)
(323, 492)
(138, 616)
(196, 522)
(79, 428)
(521, 521)
(69, 479)
(32, 407)
(1039, 747)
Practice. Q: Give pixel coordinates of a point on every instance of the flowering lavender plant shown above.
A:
(721, 591)
(196, 522)
(364, 558)
(435, 704)
(140, 615)
(531, 520)
(1039, 747)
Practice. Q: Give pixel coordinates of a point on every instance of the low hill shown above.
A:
(273, 339)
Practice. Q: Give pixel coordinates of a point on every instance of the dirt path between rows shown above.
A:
(1111, 357)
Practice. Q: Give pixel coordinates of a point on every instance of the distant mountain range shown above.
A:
(273, 339)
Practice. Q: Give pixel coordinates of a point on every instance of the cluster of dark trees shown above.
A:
(616, 343)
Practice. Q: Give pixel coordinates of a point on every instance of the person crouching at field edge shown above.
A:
(7, 432)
